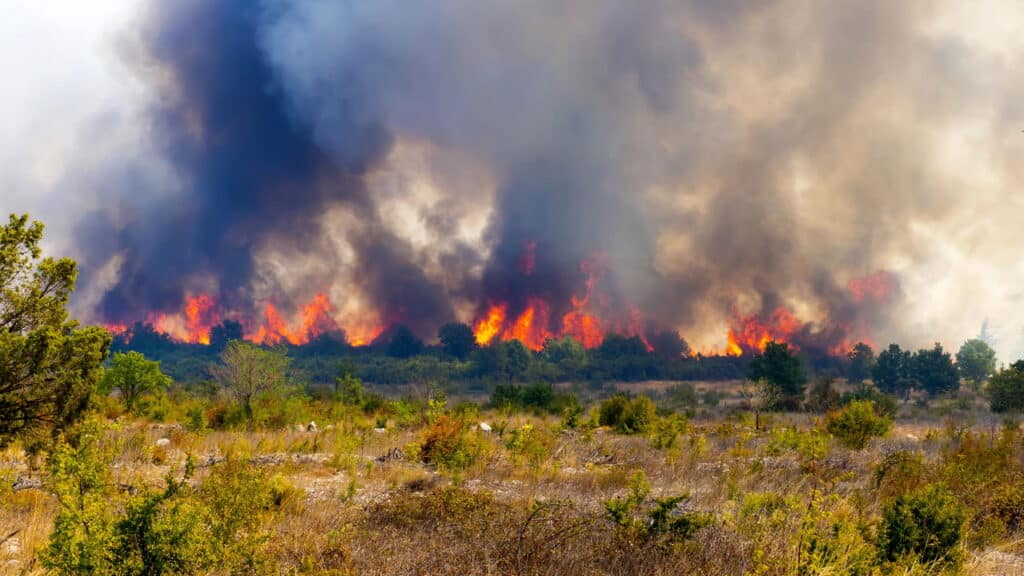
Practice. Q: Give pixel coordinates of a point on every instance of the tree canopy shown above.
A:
(132, 374)
(933, 370)
(1006, 389)
(781, 369)
(457, 340)
(976, 360)
(862, 360)
(891, 372)
(49, 366)
(248, 371)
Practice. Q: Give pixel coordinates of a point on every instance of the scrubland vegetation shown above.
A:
(910, 464)
(417, 484)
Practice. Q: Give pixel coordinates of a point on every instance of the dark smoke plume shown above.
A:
(723, 157)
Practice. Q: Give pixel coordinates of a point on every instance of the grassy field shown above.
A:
(361, 495)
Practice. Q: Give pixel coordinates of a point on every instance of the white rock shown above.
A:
(484, 426)
(912, 437)
(163, 442)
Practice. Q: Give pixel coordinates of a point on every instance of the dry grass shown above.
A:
(367, 511)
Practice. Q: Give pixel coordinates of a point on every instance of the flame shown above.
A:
(315, 319)
(115, 329)
(752, 334)
(589, 318)
(490, 325)
(530, 327)
(200, 317)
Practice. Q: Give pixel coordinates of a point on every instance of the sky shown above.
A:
(752, 157)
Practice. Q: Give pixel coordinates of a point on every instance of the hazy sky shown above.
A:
(918, 115)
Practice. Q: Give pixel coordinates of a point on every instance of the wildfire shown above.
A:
(588, 319)
(752, 334)
(490, 325)
(200, 317)
(195, 322)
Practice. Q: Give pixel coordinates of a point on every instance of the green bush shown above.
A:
(662, 517)
(857, 423)
(627, 415)
(927, 523)
(1006, 390)
(178, 530)
(885, 404)
(447, 444)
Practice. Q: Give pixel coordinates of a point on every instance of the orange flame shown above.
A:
(200, 318)
(751, 334)
(490, 325)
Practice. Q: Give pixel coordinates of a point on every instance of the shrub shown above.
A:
(823, 395)
(927, 523)
(177, 530)
(627, 415)
(898, 473)
(885, 404)
(446, 444)
(810, 445)
(857, 423)
(663, 518)
(666, 431)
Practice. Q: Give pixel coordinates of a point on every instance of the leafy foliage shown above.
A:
(132, 375)
(976, 360)
(177, 530)
(927, 523)
(627, 415)
(781, 369)
(247, 371)
(49, 367)
(457, 340)
(857, 423)
(862, 360)
(934, 371)
(891, 372)
(1006, 389)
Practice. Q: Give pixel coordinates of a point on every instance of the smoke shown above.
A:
(719, 159)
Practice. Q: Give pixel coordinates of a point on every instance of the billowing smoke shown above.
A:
(426, 160)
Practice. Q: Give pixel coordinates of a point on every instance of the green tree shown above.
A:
(976, 360)
(781, 369)
(1006, 389)
(223, 333)
(132, 374)
(49, 366)
(348, 388)
(891, 372)
(517, 359)
(862, 360)
(404, 344)
(567, 353)
(457, 340)
(669, 345)
(934, 371)
(247, 372)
